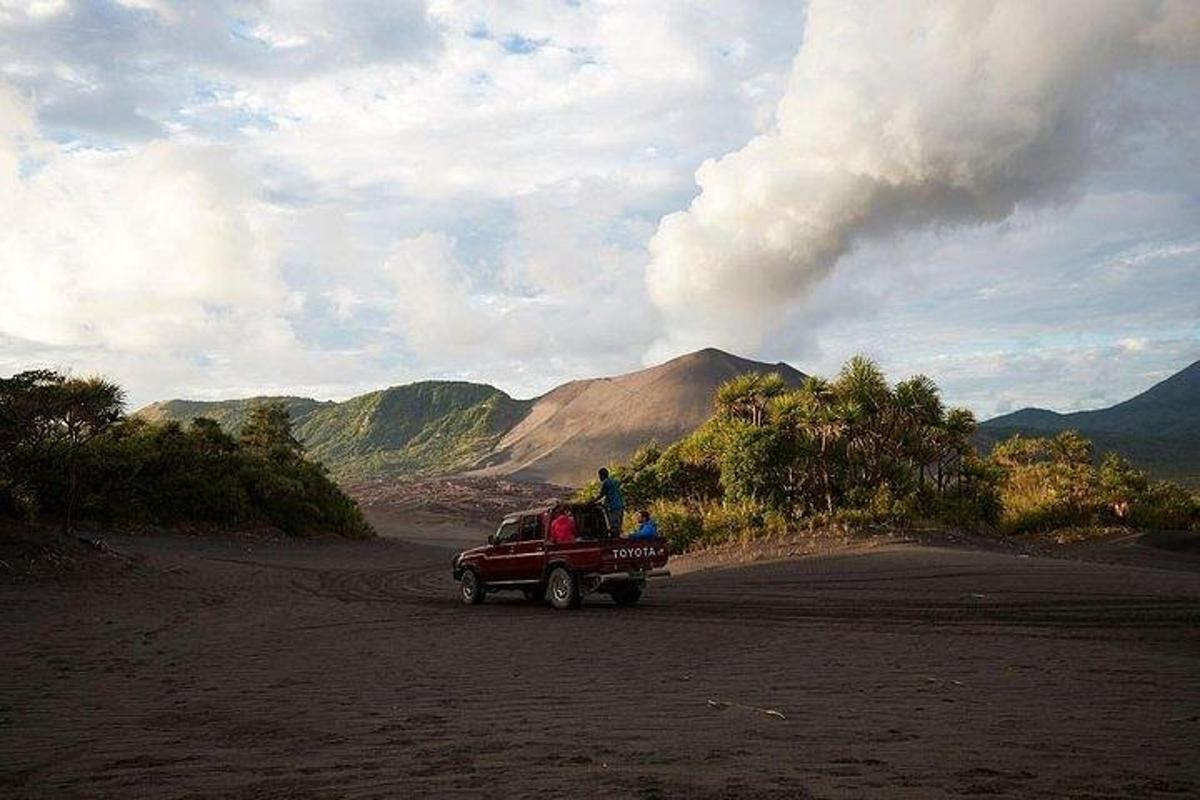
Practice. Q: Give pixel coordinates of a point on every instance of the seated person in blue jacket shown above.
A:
(647, 528)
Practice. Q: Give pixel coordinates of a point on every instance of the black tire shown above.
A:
(627, 595)
(535, 594)
(563, 589)
(472, 587)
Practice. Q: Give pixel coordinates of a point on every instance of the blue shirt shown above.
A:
(647, 530)
(610, 490)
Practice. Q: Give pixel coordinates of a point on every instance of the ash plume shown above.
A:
(905, 116)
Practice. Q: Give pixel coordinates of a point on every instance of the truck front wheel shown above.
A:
(472, 589)
(563, 588)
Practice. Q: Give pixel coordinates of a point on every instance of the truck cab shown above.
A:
(520, 557)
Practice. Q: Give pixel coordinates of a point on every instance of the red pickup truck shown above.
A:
(519, 556)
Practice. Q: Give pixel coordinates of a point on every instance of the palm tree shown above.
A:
(917, 417)
(958, 427)
(748, 396)
(818, 422)
(862, 385)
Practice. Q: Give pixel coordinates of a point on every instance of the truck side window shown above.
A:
(507, 532)
(531, 529)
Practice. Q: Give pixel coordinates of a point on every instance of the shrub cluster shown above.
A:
(858, 450)
(1051, 483)
(68, 452)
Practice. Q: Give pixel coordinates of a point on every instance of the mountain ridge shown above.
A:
(440, 427)
(581, 425)
(432, 428)
(1158, 429)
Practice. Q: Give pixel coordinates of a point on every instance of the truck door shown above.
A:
(497, 562)
(529, 552)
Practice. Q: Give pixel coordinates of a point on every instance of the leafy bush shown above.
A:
(687, 526)
(1166, 506)
(857, 450)
(854, 443)
(130, 471)
(753, 465)
(680, 524)
(1050, 484)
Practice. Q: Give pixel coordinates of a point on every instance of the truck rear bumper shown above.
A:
(610, 577)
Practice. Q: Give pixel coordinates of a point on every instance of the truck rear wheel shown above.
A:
(563, 589)
(627, 594)
(472, 588)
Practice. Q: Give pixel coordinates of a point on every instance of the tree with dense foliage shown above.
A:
(823, 448)
(86, 408)
(747, 397)
(858, 447)
(268, 432)
(47, 415)
(1050, 483)
(66, 453)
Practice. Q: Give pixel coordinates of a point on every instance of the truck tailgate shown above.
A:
(624, 555)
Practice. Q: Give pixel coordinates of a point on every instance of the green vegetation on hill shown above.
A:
(1158, 430)
(860, 450)
(229, 414)
(427, 428)
(67, 452)
(1047, 484)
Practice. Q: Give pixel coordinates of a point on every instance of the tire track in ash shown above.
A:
(763, 610)
(424, 574)
(906, 587)
(380, 585)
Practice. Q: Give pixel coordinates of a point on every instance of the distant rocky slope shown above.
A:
(442, 427)
(582, 425)
(1159, 429)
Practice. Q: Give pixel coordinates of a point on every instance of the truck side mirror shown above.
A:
(491, 538)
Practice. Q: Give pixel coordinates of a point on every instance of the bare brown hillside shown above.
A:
(582, 425)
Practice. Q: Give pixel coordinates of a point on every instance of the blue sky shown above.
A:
(217, 199)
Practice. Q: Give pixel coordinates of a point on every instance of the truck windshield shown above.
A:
(507, 532)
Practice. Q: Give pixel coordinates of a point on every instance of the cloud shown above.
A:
(901, 117)
(122, 72)
(146, 250)
(254, 196)
(199, 181)
(1058, 304)
(562, 297)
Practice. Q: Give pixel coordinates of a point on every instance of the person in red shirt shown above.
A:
(562, 527)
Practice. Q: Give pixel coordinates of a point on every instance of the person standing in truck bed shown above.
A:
(613, 502)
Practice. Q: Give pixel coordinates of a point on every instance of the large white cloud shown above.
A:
(563, 298)
(152, 249)
(238, 196)
(900, 116)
